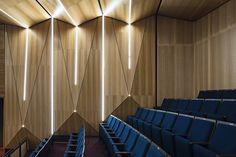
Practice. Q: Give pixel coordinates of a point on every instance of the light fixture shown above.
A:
(129, 95)
(22, 25)
(26, 63)
(23, 126)
(129, 36)
(72, 20)
(75, 111)
(76, 56)
(52, 77)
(103, 66)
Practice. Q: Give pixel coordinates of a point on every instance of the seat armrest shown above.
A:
(70, 152)
(124, 154)
(200, 143)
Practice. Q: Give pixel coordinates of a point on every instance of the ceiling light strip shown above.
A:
(14, 19)
(129, 36)
(72, 20)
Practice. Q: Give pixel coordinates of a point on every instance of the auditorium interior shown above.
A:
(118, 78)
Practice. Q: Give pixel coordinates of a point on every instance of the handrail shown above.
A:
(11, 151)
(44, 148)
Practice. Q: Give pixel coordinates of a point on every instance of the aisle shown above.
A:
(57, 150)
(95, 147)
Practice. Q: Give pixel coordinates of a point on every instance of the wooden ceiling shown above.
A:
(188, 9)
(26, 13)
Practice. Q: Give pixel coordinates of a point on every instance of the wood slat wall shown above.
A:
(85, 97)
(174, 58)
(215, 50)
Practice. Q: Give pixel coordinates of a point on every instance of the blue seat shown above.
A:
(167, 124)
(228, 94)
(148, 119)
(212, 94)
(199, 132)
(147, 126)
(182, 105)
(209, 107)
(128, 145)
(201, 94)
(154, 151)
(173, 106)
(137, 115)
(140, 148)
(166, 103)
(222, 143)
(226, 111)
(193, 106)
(181, 127)
(143, 116)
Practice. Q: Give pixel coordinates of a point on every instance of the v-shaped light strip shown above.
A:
(14, 19)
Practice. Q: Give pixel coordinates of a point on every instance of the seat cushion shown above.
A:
(183, 147)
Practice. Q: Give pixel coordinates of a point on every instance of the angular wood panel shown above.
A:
(143, 86)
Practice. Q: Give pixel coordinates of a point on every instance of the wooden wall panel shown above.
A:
(2, 60)
(214, 49)
(89, 102)
(174, 58)
(115, 84)
(143, 86)
(12, 116)
(63, 102)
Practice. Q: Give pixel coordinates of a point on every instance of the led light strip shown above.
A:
(14, 19)
(103, 66)
(52, 77)
(72, 20)
(76, 56)
(26, 63)
(129, 36)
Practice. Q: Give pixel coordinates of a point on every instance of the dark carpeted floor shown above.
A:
(57, 150)
(95, 147)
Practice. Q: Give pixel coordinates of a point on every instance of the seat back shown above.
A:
(226, 108)
(200, 130)
(144, 114)
(124, 134)
(201, 94)
(223, 140)
(150, 116)
(131, 140)
(182, 104)
(120, 129)
(195, 105)
(173, 105)
(138, 112)
(159, 115)
(165, 103)
(154, 151)
(210, 106)
(116, 125)
(169, 120)
(141, 146)
(229, 94)
(213, 94)
(182, 125)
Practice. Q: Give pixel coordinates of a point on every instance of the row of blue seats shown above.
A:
(217, 94)
(76, 144)
(211, 108)
(183, 135)
(123, 140)
(38, 148)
